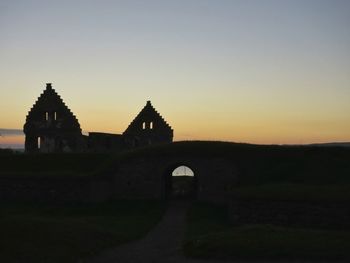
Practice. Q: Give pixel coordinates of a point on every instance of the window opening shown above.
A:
(55, 115)
(144, 125)
(151, 125)
(46, 116)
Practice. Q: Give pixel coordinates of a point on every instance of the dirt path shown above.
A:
(163, 243)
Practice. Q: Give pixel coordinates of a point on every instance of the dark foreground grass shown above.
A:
(212, 237)
(294, 192)
(42, 233)
(74, 164)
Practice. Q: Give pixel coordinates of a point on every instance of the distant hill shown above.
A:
(332, 144)
(17, 132)
(5, 132)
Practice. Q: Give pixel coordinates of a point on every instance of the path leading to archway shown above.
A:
(163, 244)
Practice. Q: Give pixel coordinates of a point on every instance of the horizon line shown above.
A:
(20, 133)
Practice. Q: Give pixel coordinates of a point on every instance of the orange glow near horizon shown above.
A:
(256, 133)
(209, 120)
(212, 123)
(11, 140)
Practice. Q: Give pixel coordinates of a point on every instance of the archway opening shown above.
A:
(182, 183)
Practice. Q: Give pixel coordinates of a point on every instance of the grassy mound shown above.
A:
(259, 164)
(51, 164)
(43, 233)
(294, 192)
(271, 242)
(210, 236)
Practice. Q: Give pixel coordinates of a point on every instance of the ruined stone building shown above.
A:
(147, 128)
(51, 127)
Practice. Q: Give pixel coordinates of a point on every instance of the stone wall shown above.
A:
(148, 127)
(51, 126)
(149, 177)
(136, 178)
(316, 214)
(104, 142)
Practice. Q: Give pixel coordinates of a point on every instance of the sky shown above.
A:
(266, 72)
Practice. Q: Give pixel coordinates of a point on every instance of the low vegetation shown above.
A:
(210, 236)
(69, 233)
(14, 164)
(61, 233)
(294, 192)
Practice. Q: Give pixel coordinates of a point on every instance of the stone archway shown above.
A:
(181, 185)
(150, 177)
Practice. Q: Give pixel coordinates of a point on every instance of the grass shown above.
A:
(42, 233)
(294, 192)
(79, 164)
(205, 218)
(68, 233)
(210, 236)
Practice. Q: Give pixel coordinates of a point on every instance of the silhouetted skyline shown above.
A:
(246, 71)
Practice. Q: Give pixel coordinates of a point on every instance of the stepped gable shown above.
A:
(147, 128)
(51, 126)
(50, 112)
(148, 119)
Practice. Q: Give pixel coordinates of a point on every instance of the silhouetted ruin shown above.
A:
(51, 127)
(148, 128)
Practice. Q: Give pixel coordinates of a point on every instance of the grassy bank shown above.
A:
(79, 164)
(57, 233)
(294, 192)
(210, 236)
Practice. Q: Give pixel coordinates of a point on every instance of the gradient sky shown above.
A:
(248, 71)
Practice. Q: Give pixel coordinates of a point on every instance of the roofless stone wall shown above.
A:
(148, 128)
(51, 126)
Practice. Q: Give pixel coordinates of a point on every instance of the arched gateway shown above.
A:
(150, 177)
(147, 173)
(180, 182)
